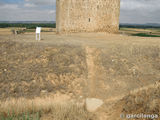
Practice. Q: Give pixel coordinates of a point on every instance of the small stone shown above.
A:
(92, 104)
(34, 81)
(44, 91)
(80, 96)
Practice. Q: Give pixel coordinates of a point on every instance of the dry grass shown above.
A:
(54, 109)
(31, 69)
(5, 31)
(144, 100)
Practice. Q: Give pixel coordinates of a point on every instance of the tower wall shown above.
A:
(87, 16)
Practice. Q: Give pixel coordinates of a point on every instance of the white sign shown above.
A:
(38, 31)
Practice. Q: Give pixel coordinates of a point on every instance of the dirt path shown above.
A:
(90, 57)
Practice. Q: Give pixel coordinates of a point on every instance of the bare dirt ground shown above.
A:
(84, 65)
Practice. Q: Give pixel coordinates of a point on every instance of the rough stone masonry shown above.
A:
(87, 16)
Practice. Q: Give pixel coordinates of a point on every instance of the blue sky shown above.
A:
(132, 11)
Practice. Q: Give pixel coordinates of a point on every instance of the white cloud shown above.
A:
(26, 12)
(29, 5)
(132, 11)
(140, 11)
(26, 15)
(52, 12)
(9, 6)
(140, 4)
(42, 2)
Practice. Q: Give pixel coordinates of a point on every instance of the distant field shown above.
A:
(140, 32)
(5, 31)
(8, 31)
(48, 28)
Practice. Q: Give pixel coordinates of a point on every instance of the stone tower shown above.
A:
(87, 16)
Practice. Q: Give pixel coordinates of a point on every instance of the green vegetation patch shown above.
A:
(145, 35)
